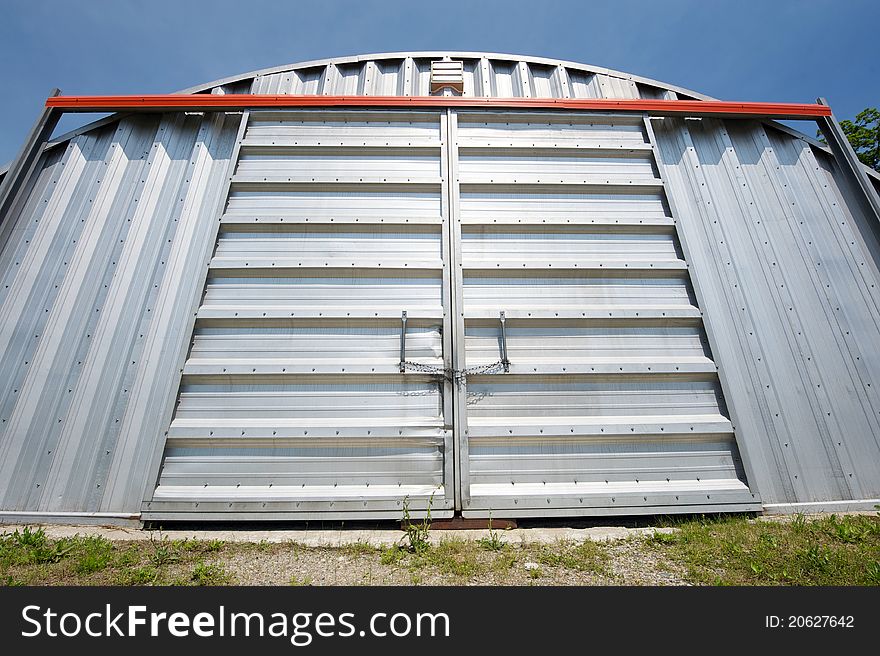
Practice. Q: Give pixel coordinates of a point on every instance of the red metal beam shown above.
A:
(237, 102)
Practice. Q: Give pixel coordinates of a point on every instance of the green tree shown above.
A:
(864, 136)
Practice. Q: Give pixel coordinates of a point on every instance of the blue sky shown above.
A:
(771, 50)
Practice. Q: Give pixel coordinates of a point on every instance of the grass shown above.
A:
(734, 550)
(208, 574)
(300, 580)
(580, 557)
(29, 557)
(729, 550)
(358, 548)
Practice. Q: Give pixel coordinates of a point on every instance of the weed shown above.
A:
(816, 557)
(140, 576)
(91, 554)
(417, 534)
(300, 581)
(492, 542)
(503, 561)
(535, 573)
(586, 556)
(203, 574)
(456, 557)
(663, 538)
(359, 548)
(31, 546)
(850, 529)
(164, 552)
(392, 555)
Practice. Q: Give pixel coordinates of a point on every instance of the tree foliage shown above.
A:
(864, 136)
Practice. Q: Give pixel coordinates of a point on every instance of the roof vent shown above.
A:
(447, 74)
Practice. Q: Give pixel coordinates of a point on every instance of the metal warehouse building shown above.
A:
(488, 283)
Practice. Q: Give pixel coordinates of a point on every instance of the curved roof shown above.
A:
(408, 74)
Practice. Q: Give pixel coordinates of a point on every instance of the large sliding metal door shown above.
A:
(478, 310)
(610, 402)
(292, 401)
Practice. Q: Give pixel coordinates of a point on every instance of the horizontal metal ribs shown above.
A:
(611, 403)
(292, 397)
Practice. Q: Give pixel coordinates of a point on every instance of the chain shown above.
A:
(454, 375)
(428, 369)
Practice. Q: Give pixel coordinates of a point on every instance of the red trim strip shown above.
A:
(210, 102)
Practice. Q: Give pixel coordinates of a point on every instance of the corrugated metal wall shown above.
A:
(789, 287)
(501, 76)
(201, 315)
(100, 268)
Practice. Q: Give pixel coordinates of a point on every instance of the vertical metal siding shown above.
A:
(790, 296)
(485, 76)
(80, 268)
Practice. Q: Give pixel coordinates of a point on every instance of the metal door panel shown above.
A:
(292, 402)
(610, 402)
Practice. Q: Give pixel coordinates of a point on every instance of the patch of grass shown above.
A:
(189, 545)
(31, 546)
(91, 554)
(127, 556)
(392, 555)
(503, 561)
(735, 550)
(213, 574)
(147, 575)
(299, 580)
(29, 556)
(358, 548)
(455, 557)
(587, 556)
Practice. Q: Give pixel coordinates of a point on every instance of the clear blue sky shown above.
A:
(771, 50)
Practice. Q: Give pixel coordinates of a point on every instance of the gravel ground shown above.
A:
(562, 555)
(630, 561)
